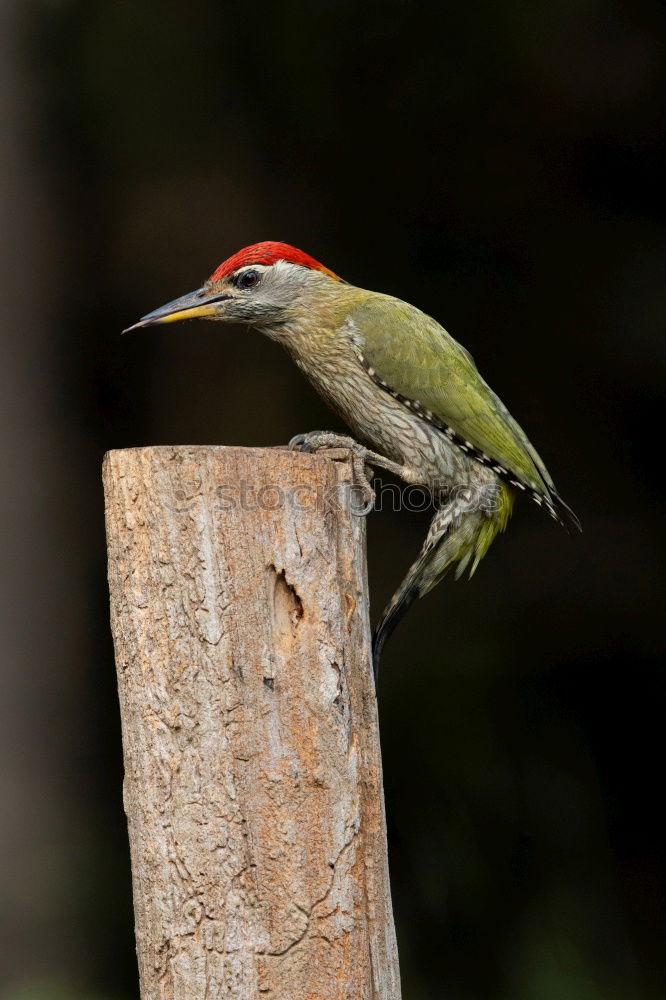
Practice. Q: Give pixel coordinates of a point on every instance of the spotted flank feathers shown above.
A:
(470, 449)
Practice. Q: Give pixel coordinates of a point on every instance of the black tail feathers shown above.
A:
(565, 514)
(391, 616)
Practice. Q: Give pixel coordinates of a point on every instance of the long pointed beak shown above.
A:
(196, 305)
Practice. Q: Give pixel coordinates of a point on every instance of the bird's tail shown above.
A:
(464, 544)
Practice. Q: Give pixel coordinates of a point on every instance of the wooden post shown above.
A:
(253, 786)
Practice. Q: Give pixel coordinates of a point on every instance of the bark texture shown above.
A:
(253, 787)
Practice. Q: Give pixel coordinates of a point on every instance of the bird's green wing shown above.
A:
(415, 358)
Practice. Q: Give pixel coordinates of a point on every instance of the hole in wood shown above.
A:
(287, 610)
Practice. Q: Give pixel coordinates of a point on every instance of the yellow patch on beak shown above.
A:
(193, 306)
(192, 312)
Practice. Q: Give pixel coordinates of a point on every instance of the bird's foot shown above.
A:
(315, 440)
(360, 458)
(318, 440)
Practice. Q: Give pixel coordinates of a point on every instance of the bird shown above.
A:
(410, 394)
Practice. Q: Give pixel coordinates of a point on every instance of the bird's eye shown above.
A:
(248, 279)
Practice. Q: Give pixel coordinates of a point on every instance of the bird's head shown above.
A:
(267, 285)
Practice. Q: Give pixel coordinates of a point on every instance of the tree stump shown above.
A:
(253, 785)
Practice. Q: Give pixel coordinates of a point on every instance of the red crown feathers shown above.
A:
(268, 253)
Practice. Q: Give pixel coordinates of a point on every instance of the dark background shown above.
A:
(498, 164)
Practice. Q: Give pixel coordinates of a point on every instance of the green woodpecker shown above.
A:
(403, 385)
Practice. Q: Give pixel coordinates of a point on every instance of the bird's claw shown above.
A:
(315, 441)
(318, 440)
(299, 441)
